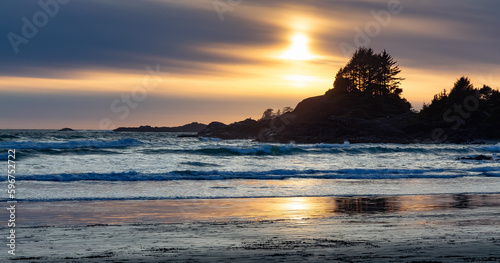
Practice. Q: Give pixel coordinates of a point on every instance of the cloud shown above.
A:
(129, 34)
(92, 48)
(125, 34)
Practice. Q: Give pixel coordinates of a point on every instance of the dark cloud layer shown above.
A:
(120, 34)
(129, 34)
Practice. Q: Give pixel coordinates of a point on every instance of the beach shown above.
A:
(93, 196)
(418, 228)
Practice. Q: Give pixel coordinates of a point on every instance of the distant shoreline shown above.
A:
(191, 127)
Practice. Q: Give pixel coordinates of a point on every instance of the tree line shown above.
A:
(368, 86)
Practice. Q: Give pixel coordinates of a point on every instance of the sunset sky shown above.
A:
(100, 64)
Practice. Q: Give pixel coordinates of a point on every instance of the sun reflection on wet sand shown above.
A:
(297, 208)
(287, 208)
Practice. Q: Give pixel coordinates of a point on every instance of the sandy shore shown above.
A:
(434, 228)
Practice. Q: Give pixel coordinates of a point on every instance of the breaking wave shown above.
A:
(31, 145)
(291, 149)
(492, 148)
(279, 174)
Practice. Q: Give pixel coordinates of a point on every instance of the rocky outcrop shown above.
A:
(357, 118)
(247, 129)
(316, 120)
(339, 129)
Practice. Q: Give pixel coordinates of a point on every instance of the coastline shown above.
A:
(420, 228)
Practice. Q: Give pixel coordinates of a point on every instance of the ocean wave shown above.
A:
(259, 149)
(279, 174)
(256, 150)
(69, 144)
(323, 145)
(322, 148)
(492, 148)
(231, 150)
(209, 139)
(269, 149)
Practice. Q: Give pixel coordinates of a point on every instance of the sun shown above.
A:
(299, 49)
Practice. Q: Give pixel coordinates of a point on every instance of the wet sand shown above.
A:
(430, 228)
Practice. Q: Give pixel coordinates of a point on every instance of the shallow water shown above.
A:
(96, 165)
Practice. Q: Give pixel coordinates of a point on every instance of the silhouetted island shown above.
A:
(192, 127)
(66, 129)
(365, 106)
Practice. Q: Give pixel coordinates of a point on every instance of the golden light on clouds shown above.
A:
(300, 80)
(299, 49)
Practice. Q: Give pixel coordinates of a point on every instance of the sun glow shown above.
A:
(299, 49)
(300, 80)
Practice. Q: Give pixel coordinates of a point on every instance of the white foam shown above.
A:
(69, 144)
(209, 139)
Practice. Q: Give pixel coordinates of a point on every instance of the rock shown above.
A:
(247, 129)
(66, 129)
(477, 158)
(340, 129)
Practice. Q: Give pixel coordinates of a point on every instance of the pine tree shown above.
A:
(370, 73)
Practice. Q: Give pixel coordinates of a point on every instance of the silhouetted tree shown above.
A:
(287, 110)
(466, 108)
(462, 88)
(491, 96)
(486, 92)
(388, 79)
(268, 114)
(370, 73)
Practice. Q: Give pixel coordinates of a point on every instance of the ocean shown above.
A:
(56, 166)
